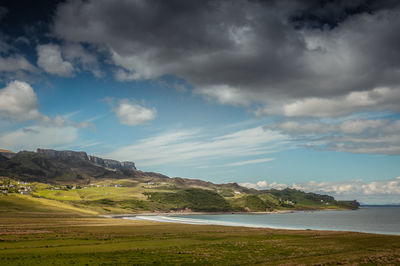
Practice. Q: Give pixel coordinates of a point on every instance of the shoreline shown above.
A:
(185, 213)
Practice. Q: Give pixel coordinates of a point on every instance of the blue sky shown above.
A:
(272, 100)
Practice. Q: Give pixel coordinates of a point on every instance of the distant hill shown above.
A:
(6, 153)
(107, 163)
(50, 166)
(108, 186)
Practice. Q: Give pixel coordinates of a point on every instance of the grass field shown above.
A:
(38, 233)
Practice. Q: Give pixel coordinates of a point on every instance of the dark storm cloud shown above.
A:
(3, 12)
(245, 51)
(206, 42)
(317, 13)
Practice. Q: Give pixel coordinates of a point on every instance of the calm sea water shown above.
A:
(369, 219)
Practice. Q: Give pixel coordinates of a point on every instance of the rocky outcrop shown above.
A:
(113, 164)
(64, 154)
(107, 163)
(128, 165)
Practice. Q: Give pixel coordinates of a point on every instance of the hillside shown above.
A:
(105, 186)
(55, 167)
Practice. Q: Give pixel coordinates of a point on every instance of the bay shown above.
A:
(368, 219)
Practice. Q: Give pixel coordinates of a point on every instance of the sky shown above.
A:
(268, 94)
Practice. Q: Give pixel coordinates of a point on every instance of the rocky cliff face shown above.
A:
(113, 164)
(64, 154)
(107, 163)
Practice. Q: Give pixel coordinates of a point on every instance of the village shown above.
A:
(8, 185)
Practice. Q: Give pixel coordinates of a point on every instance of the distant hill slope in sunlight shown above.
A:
(73, 178)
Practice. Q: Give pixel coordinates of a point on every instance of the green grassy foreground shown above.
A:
(36, 233)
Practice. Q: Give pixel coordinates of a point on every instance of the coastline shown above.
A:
(185, 213)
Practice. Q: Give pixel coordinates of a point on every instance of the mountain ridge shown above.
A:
(108, 163)
(52, 166)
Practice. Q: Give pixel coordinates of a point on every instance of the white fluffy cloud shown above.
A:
(374, 192)
(382, 98)
(39, 136)
(385, 191)
(51, 60)
(192, 146)
(225, 94)
(18, 102)
(15, 63)
(262, 184)
(133, 114)
(82, 57)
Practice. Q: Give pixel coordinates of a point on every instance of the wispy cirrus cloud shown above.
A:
(196, 147)
(240, 163)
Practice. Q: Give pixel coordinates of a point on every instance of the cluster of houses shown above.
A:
(79, 187)
(287, 202)
(10, 186)
(105, 185)
(155, 184)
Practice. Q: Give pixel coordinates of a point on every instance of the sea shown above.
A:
(367, 219)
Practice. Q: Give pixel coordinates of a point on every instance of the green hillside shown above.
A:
(194, 199)
(73, 180)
